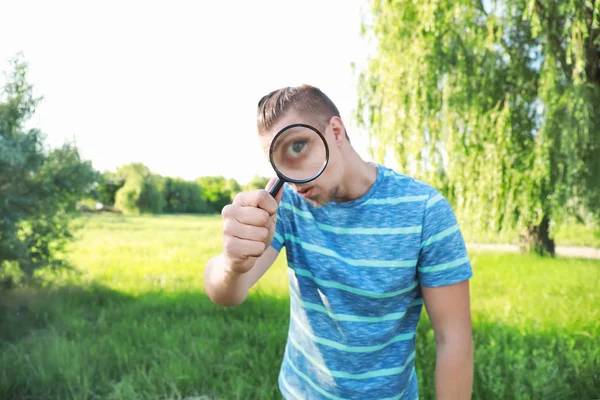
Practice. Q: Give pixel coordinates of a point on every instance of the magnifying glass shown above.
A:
(298, 154)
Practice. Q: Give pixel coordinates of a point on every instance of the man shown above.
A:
(366, 247)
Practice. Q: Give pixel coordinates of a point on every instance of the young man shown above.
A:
(366, 247)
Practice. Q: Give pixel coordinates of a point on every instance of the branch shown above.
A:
(482, 8)
(591, 38)
(593, 53)
(552, 39)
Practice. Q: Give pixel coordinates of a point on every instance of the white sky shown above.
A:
(151, 82)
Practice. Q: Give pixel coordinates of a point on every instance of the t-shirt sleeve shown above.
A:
(443, 258)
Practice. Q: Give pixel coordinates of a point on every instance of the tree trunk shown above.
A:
(537, 239)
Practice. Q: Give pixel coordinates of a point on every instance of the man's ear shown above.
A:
(338, 129)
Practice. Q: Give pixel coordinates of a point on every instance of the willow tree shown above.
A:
(497, 104)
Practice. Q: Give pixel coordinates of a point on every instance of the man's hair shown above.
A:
(306, 100)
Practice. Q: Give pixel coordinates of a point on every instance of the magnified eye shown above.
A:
(296, 147)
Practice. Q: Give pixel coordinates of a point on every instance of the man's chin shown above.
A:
(317, 202)
(316, 199)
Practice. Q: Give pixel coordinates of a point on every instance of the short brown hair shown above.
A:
(308, 101)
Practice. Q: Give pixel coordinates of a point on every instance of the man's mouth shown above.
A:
(305, 192)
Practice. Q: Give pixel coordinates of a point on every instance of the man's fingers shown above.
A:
(245, 215)
(272, 222)
(243, 231)
(251, 248)
(257, 198)
(243, 248)
(252, 216)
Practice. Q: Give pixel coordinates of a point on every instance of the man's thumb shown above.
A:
(272, 183)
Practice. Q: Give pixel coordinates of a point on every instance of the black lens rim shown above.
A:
(279, 173)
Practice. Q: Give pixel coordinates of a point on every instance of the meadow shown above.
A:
(133, 322)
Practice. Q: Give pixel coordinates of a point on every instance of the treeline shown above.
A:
(135, 189)
(41, 189)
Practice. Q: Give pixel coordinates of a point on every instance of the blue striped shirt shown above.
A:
(355, 271)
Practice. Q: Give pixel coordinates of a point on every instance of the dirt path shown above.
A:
(561, 251)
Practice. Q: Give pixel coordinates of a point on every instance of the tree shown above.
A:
(257, 182)
(495, 103)
(39, 187)
(108, 185)
(127, 197)
(218, 191)
(142, 191)
(184, 197)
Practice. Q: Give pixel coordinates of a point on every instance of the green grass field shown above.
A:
(135, 323)
(567, 234)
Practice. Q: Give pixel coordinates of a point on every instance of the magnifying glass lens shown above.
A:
(299, 154)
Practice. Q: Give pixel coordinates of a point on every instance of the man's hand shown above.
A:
(449, 311)
(248, 228)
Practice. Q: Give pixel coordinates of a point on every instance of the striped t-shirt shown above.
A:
(355, 270)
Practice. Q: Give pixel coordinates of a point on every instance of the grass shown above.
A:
(568, 234)
(135, 323)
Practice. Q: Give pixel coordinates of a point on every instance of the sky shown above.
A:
(154, 82)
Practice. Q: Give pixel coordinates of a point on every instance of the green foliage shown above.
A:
(219, 191)
(185, 197)
(152, 197)
(107, 186)
(497, 107)
(257, 182)
(39, 187)
(142, 192)
(137, 323)
(146, 192)
(128, 196)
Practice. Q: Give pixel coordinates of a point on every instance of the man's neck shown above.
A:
(358, 178)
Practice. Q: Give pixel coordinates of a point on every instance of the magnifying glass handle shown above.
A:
(276, 187)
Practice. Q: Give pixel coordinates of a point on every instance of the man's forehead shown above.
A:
(289, 118)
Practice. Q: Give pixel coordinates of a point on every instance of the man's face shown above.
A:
(323, 189)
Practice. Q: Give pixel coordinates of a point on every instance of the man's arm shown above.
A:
(444, 271)
(449, 311)
(229, 288)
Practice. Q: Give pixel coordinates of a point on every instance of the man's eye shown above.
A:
(297, 147)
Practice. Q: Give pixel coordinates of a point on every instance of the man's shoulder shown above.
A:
(405, 184)
(428, 201)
